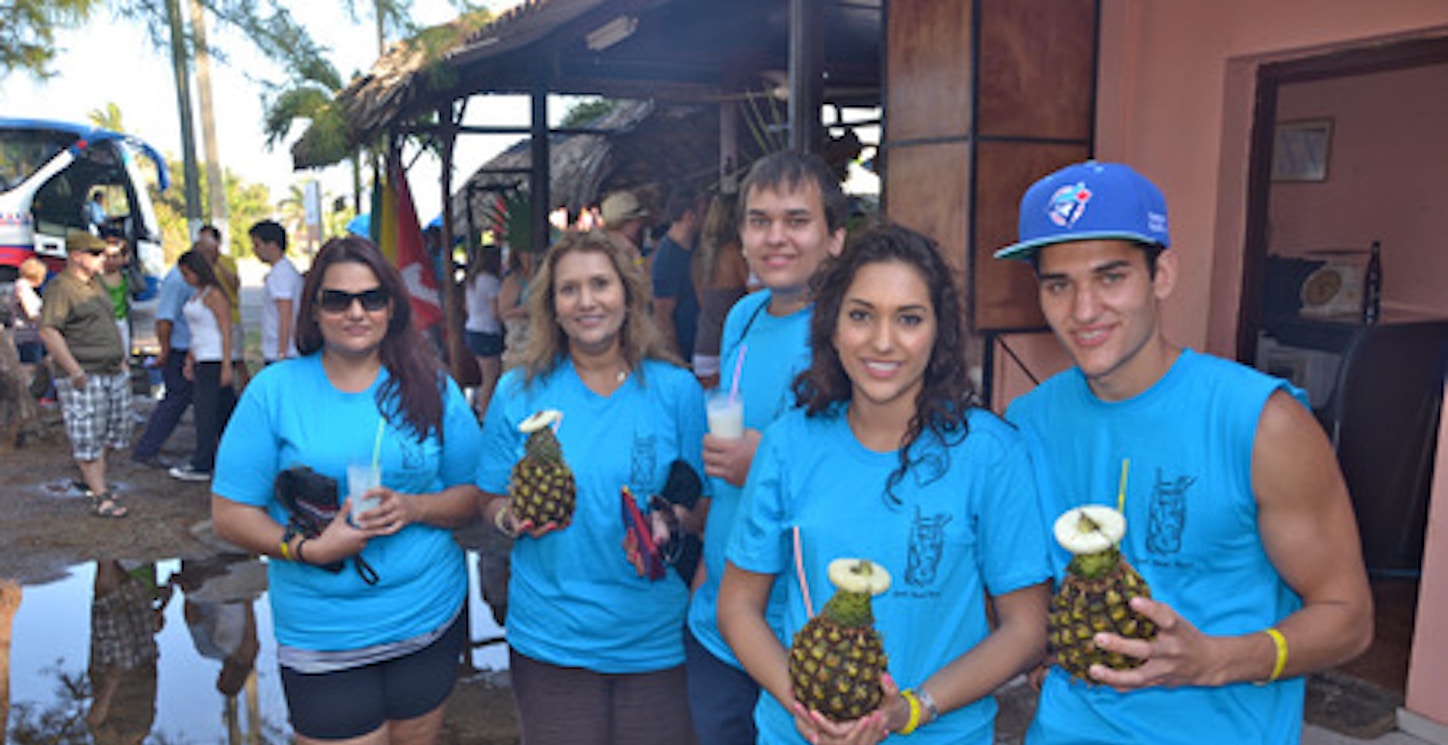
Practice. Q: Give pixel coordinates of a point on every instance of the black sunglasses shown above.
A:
(337, 301)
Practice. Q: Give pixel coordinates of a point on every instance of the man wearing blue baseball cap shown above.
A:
(1238, 516)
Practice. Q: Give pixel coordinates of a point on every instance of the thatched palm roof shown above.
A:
(690, 51)
(648, 144)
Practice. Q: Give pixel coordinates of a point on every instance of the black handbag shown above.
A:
(311, 502)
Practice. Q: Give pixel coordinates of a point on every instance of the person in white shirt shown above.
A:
(283, 292)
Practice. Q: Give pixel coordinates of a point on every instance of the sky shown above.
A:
(112, 60)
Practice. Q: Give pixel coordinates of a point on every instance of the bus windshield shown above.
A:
(24, 151)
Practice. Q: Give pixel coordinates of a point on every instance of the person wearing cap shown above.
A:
(1238, 516)
(624, 216)
(77, 325)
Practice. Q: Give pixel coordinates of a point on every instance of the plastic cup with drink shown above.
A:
(363, 477)
(726, 414)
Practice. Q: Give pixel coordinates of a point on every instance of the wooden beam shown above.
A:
(806, 84)
(538, 187)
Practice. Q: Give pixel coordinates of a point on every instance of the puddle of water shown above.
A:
(53, 689)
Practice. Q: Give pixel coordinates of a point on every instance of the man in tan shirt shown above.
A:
(78, 327)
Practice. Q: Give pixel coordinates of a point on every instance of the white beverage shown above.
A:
(726, 415)
(361, 478)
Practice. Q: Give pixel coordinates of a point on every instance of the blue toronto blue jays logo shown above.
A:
(1068, 204)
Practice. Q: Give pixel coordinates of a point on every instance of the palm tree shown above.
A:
(107, 117)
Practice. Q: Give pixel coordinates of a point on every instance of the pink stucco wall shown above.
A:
(1175, 100)
(1385, 180)
(1427, 669)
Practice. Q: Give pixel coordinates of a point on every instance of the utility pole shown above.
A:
(181, 71)
(215, 183)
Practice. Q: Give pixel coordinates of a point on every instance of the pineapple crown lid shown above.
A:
(1090, 529)
(860, 576)
(539, 420)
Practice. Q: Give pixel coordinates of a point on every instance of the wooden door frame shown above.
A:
(1270, 78)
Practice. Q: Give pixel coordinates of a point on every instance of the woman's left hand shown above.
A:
(393, 512)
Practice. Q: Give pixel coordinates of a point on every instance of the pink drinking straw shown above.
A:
(738, 368)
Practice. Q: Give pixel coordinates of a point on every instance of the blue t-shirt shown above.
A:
(1192, 533)
(170, 307)
(673, 279)
(291, 415)
(574, 600)
(776, 350)
(964, 522)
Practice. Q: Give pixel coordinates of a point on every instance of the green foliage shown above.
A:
(246, 203)
(587, 110)
(27, 32)
(108, 117)
(514, 212)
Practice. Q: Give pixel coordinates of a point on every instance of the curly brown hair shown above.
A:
(946, 394)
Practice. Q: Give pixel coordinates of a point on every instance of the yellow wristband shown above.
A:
(286, 550)
(1280, 642)
(914, 720)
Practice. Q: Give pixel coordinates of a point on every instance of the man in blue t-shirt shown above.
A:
(676, 307)
(1238, 516)
(174, 336)
(793, 219)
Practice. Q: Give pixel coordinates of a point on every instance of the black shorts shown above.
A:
(352, 703)
(484, 344)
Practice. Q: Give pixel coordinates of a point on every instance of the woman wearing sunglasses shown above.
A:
(888, 460)
(370, 656)
(596, 642)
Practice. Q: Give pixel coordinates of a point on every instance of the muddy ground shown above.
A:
(46, 528)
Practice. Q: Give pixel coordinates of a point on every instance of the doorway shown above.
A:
(1344, 154)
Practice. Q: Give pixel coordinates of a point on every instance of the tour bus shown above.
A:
(56, 177)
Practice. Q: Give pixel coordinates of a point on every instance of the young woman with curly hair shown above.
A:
(887, 458)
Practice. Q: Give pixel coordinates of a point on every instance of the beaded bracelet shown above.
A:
(926, 700)
(288, 534)
(300, 558)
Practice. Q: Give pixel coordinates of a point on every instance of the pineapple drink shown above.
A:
(1096, 593)
(836, 660)
(543, 489)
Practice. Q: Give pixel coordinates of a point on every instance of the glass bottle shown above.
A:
(1373, 285)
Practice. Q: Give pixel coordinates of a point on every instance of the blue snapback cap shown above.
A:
(1089, 201)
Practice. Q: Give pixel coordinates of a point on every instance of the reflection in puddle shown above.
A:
(182, 650)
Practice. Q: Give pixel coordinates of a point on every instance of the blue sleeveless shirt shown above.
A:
(1192, 533)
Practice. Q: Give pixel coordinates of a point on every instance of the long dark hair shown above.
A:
(946, 393)
(198, 265)
(415, 384)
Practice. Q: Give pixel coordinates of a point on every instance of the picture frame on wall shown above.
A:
(1300, 150)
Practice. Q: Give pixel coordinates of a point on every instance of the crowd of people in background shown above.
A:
(350, 457)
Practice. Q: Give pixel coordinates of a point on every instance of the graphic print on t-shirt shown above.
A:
(927, 544)
(644, 464)
(1167, 516)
